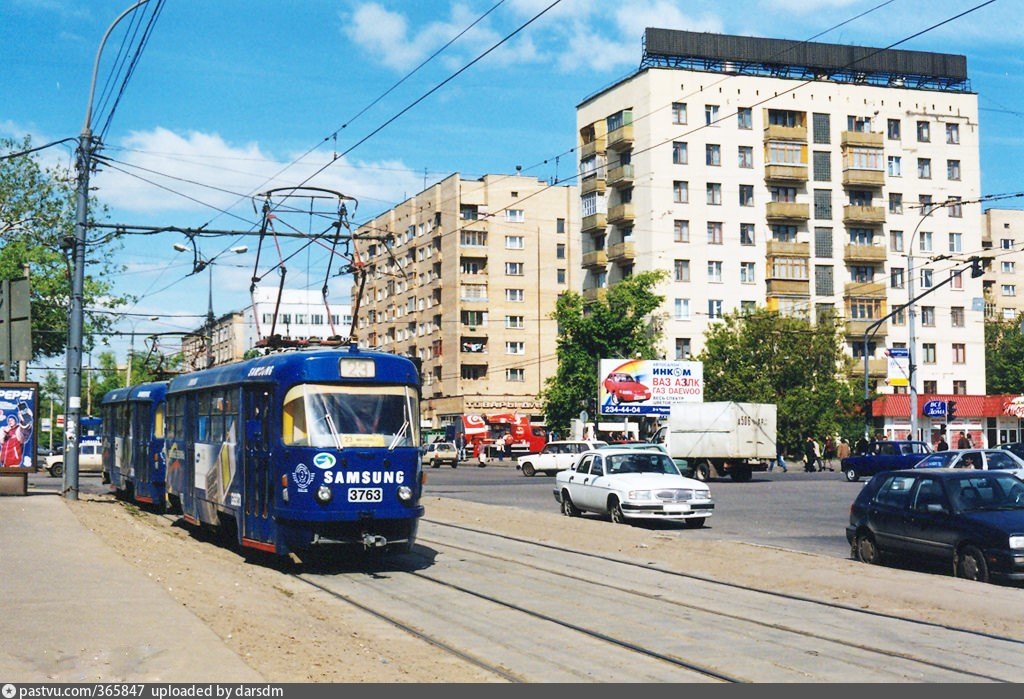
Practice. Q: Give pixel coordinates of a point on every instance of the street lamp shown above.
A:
(131, 351)
(199, 263)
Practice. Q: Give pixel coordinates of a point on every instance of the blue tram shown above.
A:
(133, 442)
(299, 448)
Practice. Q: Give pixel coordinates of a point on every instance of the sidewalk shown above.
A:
(75, 611)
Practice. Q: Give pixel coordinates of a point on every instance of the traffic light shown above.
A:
(978, 266)
(950, 409)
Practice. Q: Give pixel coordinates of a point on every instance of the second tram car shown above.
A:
(133, 442)
(299, 448)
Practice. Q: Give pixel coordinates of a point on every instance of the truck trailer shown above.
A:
(722, 438)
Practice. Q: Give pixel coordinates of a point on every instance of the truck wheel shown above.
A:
(57, 470)
(703, 471)
(851, 475)
(528, 469)
(742, 474)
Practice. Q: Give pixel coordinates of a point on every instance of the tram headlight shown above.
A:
(323, 495)
(404, 493)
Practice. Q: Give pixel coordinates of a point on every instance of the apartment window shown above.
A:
(925, 241)
(681, 270)
(515, 347)
(746, 156)
(515, 322)
(896, 241)
(746, 234)
(824, 283)
(681, 231)
(928, 316)
(710, 114)
(514, 242)
(559, 225)
(472, 239)
(515, 375)
(865, 309)
(953, 134)
(471, 372)
(683, 349)
(1008, 267)
(681, 309)
(514, 269)
(820, 127)
(822, 242)
(678, 112)
(924, 168)
(858, 123)
(714, 270)
(789, 268)
(895, 203)
(784, 117)
(823, 204)
(956, 316)
(956, 242)
(896, 278)
(862, 274)
(473, 292)
(1006, 243)
(899, 317)
(515, 216)
(783, 194)
(923, 133)
(473, 318)
(679, 153)
(928, 353)
(952, 169)
(893, 129)
(468, 212)
(746, 195)
(862, 236)
(895, 166)
(514, 295)
(747, 273)
(822, 166)
(924, 204)
(863, 158)
(958, 280)
(714, 308)
(955, 208)
(927, 279)
(714, 190)
(780, 153)
(931, 386)
(860, 197)
(959, 353)
(744, 118)
(680, 192)
(560, 275)
(713, 154)
(1009, 289)
(959, 387)
(748, 307)
(783, 233)
(560, 251)
(715, 232)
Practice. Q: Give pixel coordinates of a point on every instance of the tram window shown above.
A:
(341, 416)
(158, 423)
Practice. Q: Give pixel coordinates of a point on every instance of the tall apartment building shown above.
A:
(468, 285)
(1003, 234)
(812, 179)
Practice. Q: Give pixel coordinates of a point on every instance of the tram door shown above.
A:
(141, 417)
(257, 474)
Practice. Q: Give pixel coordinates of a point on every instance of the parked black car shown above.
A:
(1015, 448)
(971, 519)
(884, 455)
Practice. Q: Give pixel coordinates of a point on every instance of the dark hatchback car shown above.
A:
(973, 520)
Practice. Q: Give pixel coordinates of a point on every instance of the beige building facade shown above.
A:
(1003, 235)
(797, 185)
(467, 285)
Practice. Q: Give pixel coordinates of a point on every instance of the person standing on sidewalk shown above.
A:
(780, 457)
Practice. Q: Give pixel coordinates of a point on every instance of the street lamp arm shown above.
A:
(87, 128)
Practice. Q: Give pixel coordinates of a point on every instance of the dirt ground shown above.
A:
(299, 642)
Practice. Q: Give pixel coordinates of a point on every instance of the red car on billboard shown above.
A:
(623, 388)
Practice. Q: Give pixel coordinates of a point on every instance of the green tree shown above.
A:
(37, 217)
(1004, 356)
(763, 357)
(618, 325)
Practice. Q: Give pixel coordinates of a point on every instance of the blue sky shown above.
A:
(229, 93)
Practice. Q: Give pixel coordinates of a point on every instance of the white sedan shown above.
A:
(627, 484)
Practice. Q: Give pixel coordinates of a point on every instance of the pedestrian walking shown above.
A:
(842, 450)
(942, 445)
(780, 458)
(810, 454)
(964, 442)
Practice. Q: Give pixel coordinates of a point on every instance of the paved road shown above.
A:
(794, 510)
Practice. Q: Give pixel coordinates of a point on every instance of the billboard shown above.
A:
(18, 403)
(647, 386)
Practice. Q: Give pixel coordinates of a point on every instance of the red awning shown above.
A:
(898, 405)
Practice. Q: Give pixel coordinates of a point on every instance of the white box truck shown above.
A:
(723, 438)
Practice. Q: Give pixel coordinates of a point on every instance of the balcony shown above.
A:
(868, 139)
(621, 138)
(865, 290)
(773, 132)
(595, 223)
(789, 211)
(871, 215)
(876, 367)
(592, 148)
(597, 293)
(852, 177)
(778, 248)
(789, 287)
(622, 253)
(595, 258)
(621, 176)
(857, 328)
(623, 213)
(864, 253)
(592, 184)
(785, 173)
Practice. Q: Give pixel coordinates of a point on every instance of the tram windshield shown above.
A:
(330, 416)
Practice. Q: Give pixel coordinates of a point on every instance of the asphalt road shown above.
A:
(794, 510)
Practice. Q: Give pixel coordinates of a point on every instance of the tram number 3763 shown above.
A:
(365, 495)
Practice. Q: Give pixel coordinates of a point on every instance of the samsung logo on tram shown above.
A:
(364, 477)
